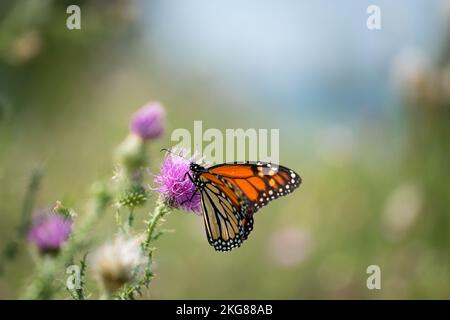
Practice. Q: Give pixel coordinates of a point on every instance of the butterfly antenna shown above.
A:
(171, 152)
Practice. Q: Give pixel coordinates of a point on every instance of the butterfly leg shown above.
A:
(196, 190)
(192, 197)
(184, 177)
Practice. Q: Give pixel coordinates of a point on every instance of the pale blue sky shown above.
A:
(298, 55)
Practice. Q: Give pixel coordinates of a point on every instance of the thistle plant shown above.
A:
(49, 231)
(122, 266)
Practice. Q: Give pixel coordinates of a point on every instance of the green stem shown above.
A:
(160, 211)
(130, 218)
(130, 291)
(118, 219)
(28, 204)
(11, 249)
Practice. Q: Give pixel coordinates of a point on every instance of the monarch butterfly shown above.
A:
(232, 192)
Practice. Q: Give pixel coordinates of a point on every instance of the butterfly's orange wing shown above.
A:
(259, 182)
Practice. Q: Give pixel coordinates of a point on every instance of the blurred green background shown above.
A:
(363, 117)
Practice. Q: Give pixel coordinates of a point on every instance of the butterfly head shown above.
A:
(195, 167)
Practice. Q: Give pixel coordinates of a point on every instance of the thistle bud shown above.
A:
(131, 153)
(136, 196)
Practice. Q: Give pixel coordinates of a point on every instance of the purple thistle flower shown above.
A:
(148, 121)
(175, 185)
(49, 231)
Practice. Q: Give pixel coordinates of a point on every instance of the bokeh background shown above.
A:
(363, 117)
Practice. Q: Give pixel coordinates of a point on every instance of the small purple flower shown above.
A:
(49, 231)
(148, 121)
(175, 185)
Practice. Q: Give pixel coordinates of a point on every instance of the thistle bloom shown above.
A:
(118, 262)
(148, 122)
(49, 231)
(175, 185)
